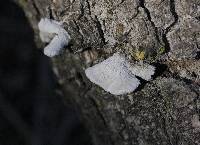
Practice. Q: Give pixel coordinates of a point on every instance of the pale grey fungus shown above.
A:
(53, 32)
(145, 71)
(117, 76)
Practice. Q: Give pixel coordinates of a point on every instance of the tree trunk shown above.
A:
(164, 111)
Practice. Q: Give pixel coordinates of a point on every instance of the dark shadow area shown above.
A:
(160, 69)
(142, 84)
(198, 55)
(31, 112)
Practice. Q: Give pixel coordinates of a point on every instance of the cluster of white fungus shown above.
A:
(117, 76)
(53, 32)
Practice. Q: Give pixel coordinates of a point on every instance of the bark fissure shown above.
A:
(81, 9)
(175, 15)
(164, 35)
(142, 5)
(50, 12)
(89, 9)
(137, 12)
(100, 30)
(122, 1)
(166, 42)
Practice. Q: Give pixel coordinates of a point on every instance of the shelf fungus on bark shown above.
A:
(53, 32)
(117, 75)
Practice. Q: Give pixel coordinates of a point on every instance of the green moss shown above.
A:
(155, 55)
(161, 50)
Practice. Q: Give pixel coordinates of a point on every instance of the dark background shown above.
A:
(31, 113)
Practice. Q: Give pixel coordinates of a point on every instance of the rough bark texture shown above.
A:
(164, 111)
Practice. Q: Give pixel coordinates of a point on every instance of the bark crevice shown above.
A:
(100, 29)
(142, 5)
(166, 31)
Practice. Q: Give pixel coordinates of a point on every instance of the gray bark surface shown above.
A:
(164, 111)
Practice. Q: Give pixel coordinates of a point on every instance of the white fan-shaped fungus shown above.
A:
(113, 75)
(117, 76)
(53, 32)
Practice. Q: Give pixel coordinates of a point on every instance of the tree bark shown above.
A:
(164, 111)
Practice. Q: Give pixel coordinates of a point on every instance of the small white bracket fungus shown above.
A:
(117, 76)
(53, 32)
